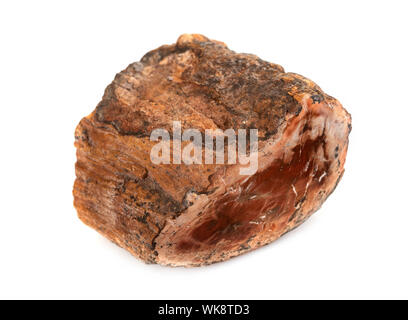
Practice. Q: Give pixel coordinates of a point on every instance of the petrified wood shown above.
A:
(190, 215)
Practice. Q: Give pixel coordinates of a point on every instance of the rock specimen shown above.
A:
(191, 215)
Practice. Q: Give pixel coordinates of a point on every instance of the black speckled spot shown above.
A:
(317, 98)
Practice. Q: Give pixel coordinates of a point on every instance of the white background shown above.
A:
(57, 57)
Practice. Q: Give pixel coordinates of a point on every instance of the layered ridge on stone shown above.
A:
(191, 215)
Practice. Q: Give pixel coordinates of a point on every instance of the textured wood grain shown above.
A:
(184, 215)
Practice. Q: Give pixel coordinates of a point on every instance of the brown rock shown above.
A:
(190, 215)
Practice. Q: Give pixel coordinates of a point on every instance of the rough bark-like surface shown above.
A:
(190, 215)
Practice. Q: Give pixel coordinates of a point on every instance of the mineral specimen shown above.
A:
(190, 215)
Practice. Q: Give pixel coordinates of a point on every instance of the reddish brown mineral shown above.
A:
(190, 215)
